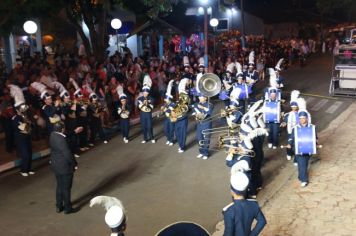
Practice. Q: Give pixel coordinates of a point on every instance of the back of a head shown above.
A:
(58, 127)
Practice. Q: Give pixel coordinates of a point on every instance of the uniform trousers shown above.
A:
(181, 127)
(146, 123)
(63, 191)
(125, 127)
(24, 151)
(303, 162)
(168, 128)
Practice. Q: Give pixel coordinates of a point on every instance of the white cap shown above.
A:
(114, 216)
(201, 62)
(239, 182)
(279, 63)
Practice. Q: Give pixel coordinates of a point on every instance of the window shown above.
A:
(223, 24)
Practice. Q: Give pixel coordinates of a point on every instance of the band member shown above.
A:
(251, 75)
(291, 119)
(82, 116)
(245, 89)
(278, 69)
(203, 110)
(179, 114)
(22, 128)
(232, 115)
(115, 216)
(186, 65)
(68, 109)
(50, 111)
(239, 215)
(227, 80)
(303, 158)
(94, 112)
(124, 113)
(168, 125)
(145, 105)
(272, 110)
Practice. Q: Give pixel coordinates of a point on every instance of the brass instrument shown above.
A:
(25, 126)
(145, 107)
(123, 113)
(181, 108)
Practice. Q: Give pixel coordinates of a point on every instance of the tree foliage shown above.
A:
(95, 14)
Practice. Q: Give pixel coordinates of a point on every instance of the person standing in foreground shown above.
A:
(239, 215)
(63, 165)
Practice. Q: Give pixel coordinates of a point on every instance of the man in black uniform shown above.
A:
(63, 165)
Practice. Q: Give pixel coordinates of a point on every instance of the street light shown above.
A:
(214, 23)
(116, 24)
(30, 27)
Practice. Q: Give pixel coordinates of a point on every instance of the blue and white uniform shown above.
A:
(204, 110)
(146, 106)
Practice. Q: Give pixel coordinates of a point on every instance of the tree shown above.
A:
(95, 14)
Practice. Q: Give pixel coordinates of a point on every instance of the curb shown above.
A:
(44, 153)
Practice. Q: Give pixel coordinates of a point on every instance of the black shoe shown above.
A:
(70, 211)
(59, 209)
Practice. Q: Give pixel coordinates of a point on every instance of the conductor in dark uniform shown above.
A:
(239, 215)
(63, 165)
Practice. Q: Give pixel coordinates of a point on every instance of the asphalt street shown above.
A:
(158, 186)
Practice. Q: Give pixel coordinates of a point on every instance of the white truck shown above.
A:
(343, 80)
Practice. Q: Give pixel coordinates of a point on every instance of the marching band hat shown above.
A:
(238, 183)
(123, 97)
(293, 104)
(186, 61)
(303, 114)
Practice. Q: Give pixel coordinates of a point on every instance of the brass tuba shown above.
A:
(209, 85)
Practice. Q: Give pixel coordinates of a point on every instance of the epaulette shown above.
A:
(43, 107)
(13, 118)
(227, 207)
(251, 200)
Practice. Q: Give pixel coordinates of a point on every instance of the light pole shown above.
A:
(30, 27)
(116, 24)
(205, 3)
(214, 23)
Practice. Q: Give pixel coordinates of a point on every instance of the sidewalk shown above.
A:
(327, 206)
(40, 148)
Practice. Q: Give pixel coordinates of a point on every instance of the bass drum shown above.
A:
(183, 229)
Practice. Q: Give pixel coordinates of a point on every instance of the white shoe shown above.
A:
(303, 184)
(200, 156)
(289, 157)
(76, 155)
(274, 147)
(82, 149)
(31, 173)
(105, 142)
(270, 145)
(126, 140)
(24, 174)
(180, 150)
(295, 163)
(143, 141)
(167, 143)
(153, 141)
(91, 145)
(204, 158)
(170, 144)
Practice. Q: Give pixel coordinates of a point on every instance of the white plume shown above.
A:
(147, 81)
(119, 90)
(76, 86)
(106, 202)
(185, 61)
(294, 95)
(17, 94)
(261, 122)
(279, 64)
(251, 58)
(169, 88)
(39, 87)
(272, 78)
(241, 166)
(238, 68)
(182, 86)
(302, 104)
(257, 132)
(230, 67)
